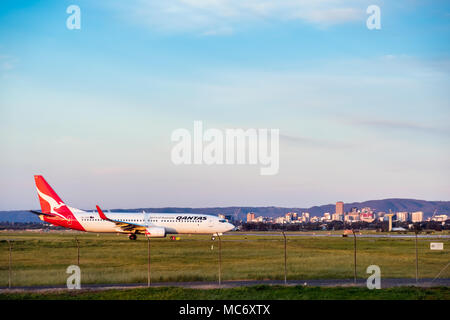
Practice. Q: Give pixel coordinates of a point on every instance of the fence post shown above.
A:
(78, 251)
(148, 262)
(354, 256)
(285, 258)
(417, 257)
(220, 259)
(9, 264)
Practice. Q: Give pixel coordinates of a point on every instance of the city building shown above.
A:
(351, 217)
(287, 217)
(367, 217)
(250, 216)
(259, 219)
(326, 216)
(417, 216)
(403, 216)
(340, 207)
(367, 210)
(336, 217)
(354, 210)
(280, 220)
(380, 216)
(440, 218)
(305, 217)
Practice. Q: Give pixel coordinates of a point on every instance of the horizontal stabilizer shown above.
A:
(41, 213)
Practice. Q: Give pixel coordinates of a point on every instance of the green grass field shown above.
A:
(40, 259)
(243, 293)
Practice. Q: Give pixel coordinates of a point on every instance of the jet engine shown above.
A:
(155, 232)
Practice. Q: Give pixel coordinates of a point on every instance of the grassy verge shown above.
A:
(261, 292)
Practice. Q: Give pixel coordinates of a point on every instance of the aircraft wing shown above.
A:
(123, 226)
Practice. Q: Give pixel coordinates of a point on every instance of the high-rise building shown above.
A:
(287, 217)
(403, 216)
(417, 216)
(250, 216)
(340, 207)
(305, 216)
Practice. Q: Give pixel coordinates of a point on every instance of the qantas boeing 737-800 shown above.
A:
(156, 225)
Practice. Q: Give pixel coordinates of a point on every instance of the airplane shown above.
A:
(152, 225)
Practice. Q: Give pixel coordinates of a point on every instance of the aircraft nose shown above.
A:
(230, 227)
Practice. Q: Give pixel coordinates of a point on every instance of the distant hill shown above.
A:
(428, 207)
(18, 216)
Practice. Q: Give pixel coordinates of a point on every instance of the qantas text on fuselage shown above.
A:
(158, 225)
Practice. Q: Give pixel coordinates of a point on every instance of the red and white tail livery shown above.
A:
(53, 208)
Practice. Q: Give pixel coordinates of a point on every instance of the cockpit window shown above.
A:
(222, 220)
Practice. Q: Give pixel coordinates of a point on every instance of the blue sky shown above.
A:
(363, 114)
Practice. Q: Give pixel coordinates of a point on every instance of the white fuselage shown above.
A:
(174, 223)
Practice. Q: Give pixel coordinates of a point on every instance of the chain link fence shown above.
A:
(41, 259)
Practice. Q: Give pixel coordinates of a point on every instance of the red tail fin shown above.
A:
(48, 198)
(52, 204)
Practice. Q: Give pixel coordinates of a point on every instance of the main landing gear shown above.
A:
(132, 236)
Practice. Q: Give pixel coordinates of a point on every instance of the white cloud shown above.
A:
(7, 62)
(213, 17)
(331, 16)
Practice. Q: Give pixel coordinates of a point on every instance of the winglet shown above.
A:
(101, 214)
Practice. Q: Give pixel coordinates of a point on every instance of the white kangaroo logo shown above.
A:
(52, 203)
